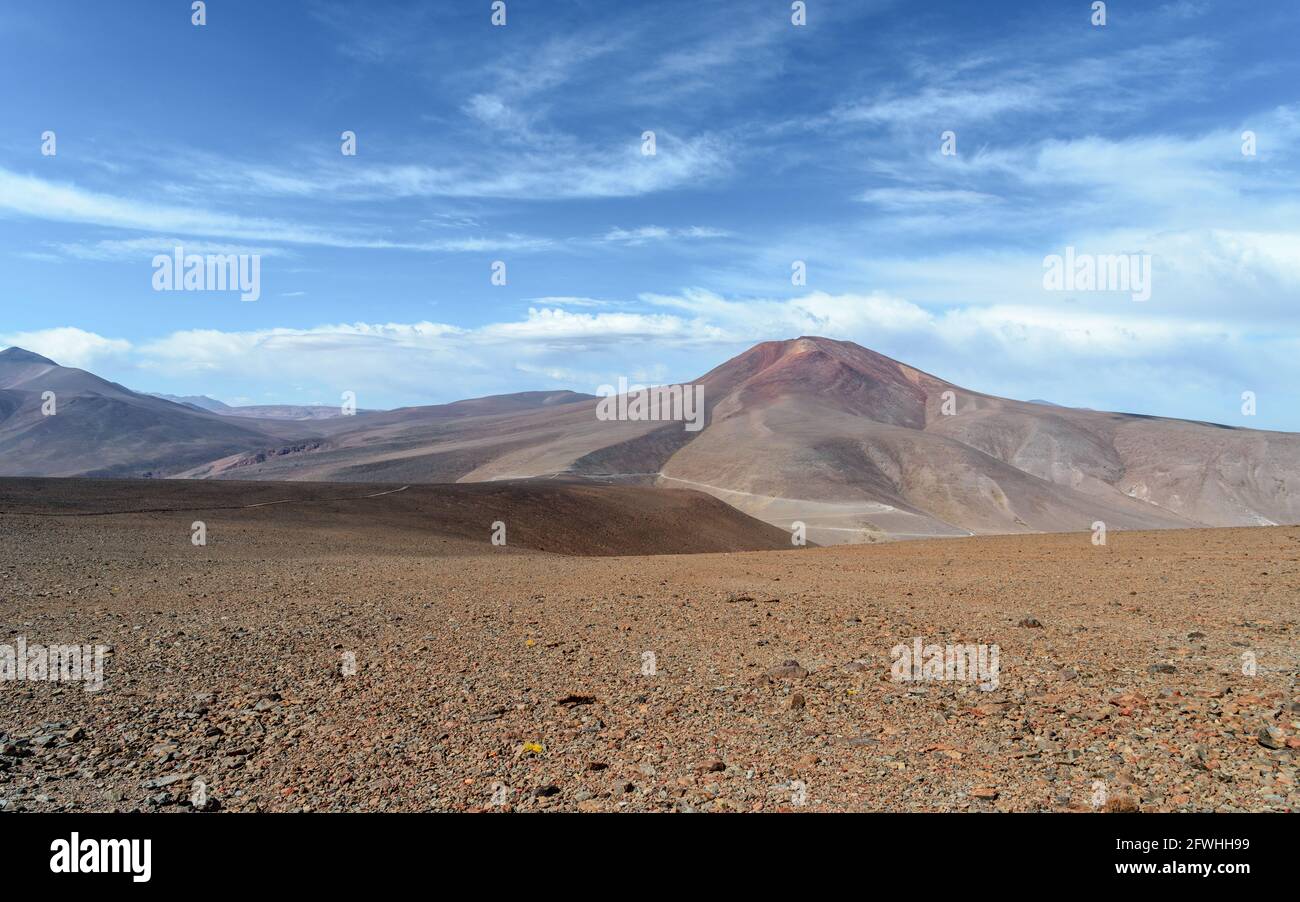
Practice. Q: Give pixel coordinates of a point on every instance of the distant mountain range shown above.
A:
(854, 444)
(259, 411)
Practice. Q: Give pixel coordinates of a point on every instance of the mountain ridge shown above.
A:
(856, 445)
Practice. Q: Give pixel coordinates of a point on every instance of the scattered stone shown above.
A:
(1120, 804)
(159, 782)
(787, 670)
(572, 701)
(1271, 738)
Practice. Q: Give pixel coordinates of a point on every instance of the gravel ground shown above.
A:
(494, 678)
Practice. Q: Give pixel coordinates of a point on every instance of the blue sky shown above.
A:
(774, 143)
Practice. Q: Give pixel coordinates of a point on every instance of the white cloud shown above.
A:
(65, 202)
(945, 105)
(69, 346)
(554, 328)
(570, 301)
(145, 248)
(1108, 358)
(646, 234)
(1006, 81)
(907, 198)
(563, 169)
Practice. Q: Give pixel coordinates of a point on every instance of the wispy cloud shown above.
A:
(568, 301)
(146, 248)
(64, 202)
(570, 172)
(910, 198)
(647, 234)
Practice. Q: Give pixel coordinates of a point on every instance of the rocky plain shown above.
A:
(379, 653)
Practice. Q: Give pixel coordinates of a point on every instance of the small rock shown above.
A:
(1270, 738)
(787, 670)
(159, 782)
(1120, 804)
(571, 701)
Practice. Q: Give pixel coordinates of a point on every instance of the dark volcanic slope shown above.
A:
(540, 516)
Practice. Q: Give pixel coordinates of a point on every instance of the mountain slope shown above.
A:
(257, 411)
(857, 446)
(101, 428)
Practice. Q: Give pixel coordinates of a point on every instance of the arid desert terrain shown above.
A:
(348, 647)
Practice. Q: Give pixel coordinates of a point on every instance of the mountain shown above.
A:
(856, 445)
(200, 402)
(257, 411)
(96, 427)
(100, 428)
